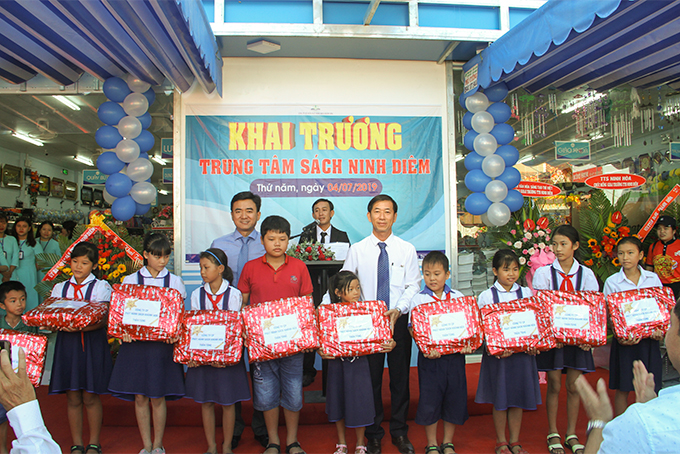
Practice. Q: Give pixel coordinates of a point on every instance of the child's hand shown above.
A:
(192, 364)
(532, 351)
(388, 346)
(220, 365)
(172, 340)
(586, 347)
(505, 354)
(630, 341)
(434, 354)
(126, 338)
(466, 351)
(560, 345)
(324, 355)
(657, 335)
(70, 329)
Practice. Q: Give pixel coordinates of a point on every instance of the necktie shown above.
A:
(383, 293)
(243, 254)
(566, 285)
(215, 300)
(323, 237)
(77, 291)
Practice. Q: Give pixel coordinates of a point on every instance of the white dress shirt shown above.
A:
(486, 297)
(234, 303)
(362, 260)
(175, 281)
(543, 277)
(100, 292)
(327, 240)
(29, 427)
(620, 283)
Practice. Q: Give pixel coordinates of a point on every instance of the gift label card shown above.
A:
(141, 312)
(354, 327)
(280, 329)
(207, 337)
(66, 304)
(571, 316)
(519, 324)
(641, 311)
(448, 326)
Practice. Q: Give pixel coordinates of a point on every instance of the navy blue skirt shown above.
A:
(509, 382)
(567, 357)
(221, 385)
(621, 360)
(146, 368)
(443, 390)
(82, 361)
(349, 392)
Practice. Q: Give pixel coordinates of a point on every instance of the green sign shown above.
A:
(572, 151)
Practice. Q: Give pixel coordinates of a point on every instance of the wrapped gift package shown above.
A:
(144, 312)
(60, 313)
(447, 326)
(578, 318)
(208, 337)
(280, 328)
(517, 326)
(638, 313)
(353, 329)
(35, 347)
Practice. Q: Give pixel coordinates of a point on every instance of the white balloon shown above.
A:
(485, 144)
(482, 122)
(485, 220)
(137, 85)
(493, 165)
(143, 192)
(498, 213)
(477, 102)
(496, 190)
(135, 104)
(127, 150)
(129, 127)
(141, 169)
(108, 197)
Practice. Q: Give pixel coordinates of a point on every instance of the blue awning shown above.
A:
(152, 39)
(601, 44)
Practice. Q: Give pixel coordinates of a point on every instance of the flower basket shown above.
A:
(311, 252)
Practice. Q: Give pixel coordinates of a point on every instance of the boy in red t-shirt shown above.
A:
(277, 382)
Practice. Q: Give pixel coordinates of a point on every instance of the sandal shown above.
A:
(517, 445)
(295, 444)
(274, 446)
(502, 448)
(555, 448)
(445, 446)
(431, 449)
(576, 446)
(340, 449)
(361, 450)
(96, 448)
(78, 448)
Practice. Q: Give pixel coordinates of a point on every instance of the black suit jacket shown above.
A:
(337, 236)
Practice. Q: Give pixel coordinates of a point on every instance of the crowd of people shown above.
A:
(250, 267)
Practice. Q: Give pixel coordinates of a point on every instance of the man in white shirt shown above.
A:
(387, 267)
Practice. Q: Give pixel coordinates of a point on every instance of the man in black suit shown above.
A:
(319, 231)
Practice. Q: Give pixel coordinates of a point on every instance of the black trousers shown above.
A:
(398, 364)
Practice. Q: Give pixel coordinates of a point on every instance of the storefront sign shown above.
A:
(580, 177)
(537, 189)
(651, 222)
(470, 79)
(675, 150)
(166, 149)
(572, 151)
(93, 177)
(167, 176)
(615, 181)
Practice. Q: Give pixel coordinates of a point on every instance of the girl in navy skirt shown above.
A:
(565, 274)
(509, 382)
(216, 383)
(82, 358)
(144, 370)
(624, 352)
(349, 392)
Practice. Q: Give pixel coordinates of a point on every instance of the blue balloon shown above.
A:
(118, 185)
(504, 133)
(511, 177)
(469, 140)
(496, 92)
(500, 112)
(107, 137)
(110, 113)
(462, 98)
(514, 200)
(477, 203)
(509, 154)
(124, 208)
(476, 180)
(145, 141)
(108, 163)
(150, 95)
(473, 161)
(145, 120)
(467, 120)
(142, 209)
(116, 89)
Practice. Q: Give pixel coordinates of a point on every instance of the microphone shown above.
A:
(308, 229)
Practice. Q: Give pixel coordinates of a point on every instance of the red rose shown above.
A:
(542, 222)
(309, 249)
(322, 257)
(529, 225)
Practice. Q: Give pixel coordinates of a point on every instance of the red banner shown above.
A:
(537, 189)
(615, 181)
(649, 225)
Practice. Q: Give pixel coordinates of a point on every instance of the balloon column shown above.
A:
(490, 177)
(127, 142)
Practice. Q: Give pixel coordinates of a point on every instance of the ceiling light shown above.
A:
(159, 160)
(84, 159)
(28, 139)
(526, 158)
(67, 102)
(263, 46)
(163, 192)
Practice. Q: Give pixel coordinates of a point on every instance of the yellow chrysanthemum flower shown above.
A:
(106, 267)
(115, 274)
(607, 230)
(122, 268)
(102, 261)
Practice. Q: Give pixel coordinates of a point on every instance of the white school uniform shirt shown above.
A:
(543, 277)
(620, 283)
(234, 303)
(362, 260)
(427, 296)
(100, 292)
(486, 297)
(175, 281)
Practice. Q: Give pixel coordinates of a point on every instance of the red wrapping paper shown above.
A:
(628, 309)
(372, 328)
(280, 328)
(57, 318)
(495, 318)
(35, 347)
(132, 298)
(586, 324)
(425, 317)
(226, 347)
